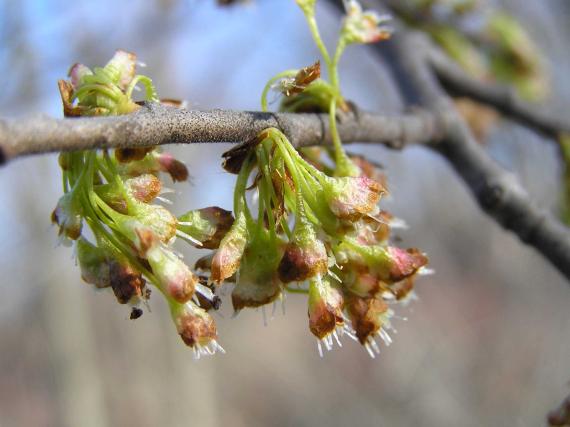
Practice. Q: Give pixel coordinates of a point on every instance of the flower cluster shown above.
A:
(314, 227)
(301, 223)
(314, 233)
(115, 194)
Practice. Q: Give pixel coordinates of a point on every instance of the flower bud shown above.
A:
(175, 168)
(77, 72)
(153, 163)
(363, 27)
(305, 255)
(360, 281)
(157, 218)
(207, 225)
(126, 282)
(258, 283)
(305, 76)
(175, 278)
(125, 155)
(325, 307)
(121, 68)
(368, 316)
(402, 289)
(67, 215)
(144, 188)
(94, 263)
(142, 238)
(351, 197)
(404, 263)
(196, 328)
(227, 258)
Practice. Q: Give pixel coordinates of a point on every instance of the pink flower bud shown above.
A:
(175, 278)
(351, 197)
(325, 307)
(175, 168)
(227, 258)
(405, 263)
(77, 72)
(207, 225)
(122, 68)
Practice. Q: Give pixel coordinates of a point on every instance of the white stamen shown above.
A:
(335, 335)
(205, 291)
(423, 271)
(264, 315)
(283, 303)
(374, 345)
(369, 350)
(385, 337)
(164, 200)
(334, 276)
(167, 190)
(188, 238)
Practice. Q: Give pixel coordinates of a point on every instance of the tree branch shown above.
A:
(156, 124)
(502, 98)
(498, 192)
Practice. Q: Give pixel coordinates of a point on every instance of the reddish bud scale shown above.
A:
(175, 168)
(367, 316)
(125, 155)
(405, 263)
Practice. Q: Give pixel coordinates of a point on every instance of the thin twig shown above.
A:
(502, 98)
(155, 124)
